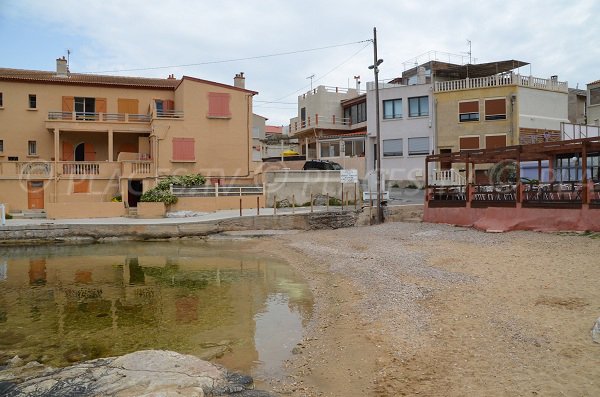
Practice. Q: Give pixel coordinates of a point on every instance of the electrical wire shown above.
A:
(229, 60)
(320, 78)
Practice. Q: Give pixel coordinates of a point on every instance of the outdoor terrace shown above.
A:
(500, 80)
(565, 195)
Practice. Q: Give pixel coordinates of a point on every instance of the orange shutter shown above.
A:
(495, 141)
(90, 154)
(468, 107)
(129, 106)
(68, 152)
(82, 186)
(100, 105)
(183, 149)
(495, 106)
(469, 142)
(168, 105)
(67, 103)
(218, 104)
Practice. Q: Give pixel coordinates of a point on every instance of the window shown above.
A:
(468, 111)
(218, 105)
(13, 158)
(392, 109)
(85, 108)
(330, 149)
(469, 142)
(82, 186)
(356, 113)
(32, 148)
(418, 106)
(418, 146)
(495, 109)
(392, 147)
(595, 96)
(32, 101)
(354, 148)
(1, 145)
(495, 141)
(183, 149)
(1, 100)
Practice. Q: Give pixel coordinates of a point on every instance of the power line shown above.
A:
(322, 76)
(229, 60)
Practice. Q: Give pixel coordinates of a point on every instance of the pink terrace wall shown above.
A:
(505, 219)
(84, 210)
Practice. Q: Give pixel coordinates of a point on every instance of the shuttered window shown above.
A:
(82, 186)
(184, 149)
(468, 111)
(469, 142)
(392, 147)
(418, 146)
(418, 106)
(495, 109)
(392, 109)
(218, 105)
(495, 141)
(129, 106)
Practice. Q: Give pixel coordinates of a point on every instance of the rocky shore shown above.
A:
(143, 373)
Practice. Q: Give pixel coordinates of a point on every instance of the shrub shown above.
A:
(183, 180)
(412, 186)
(156, 195)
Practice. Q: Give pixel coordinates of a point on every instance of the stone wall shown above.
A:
(47, 233)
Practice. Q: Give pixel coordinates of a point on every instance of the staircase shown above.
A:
(132, 212)
(29, 214)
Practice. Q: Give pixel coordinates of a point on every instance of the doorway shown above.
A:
(35, 195)
(445, 165)
(134, 192)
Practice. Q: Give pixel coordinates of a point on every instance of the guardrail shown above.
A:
(169, 114)
(501, 80)
(99, 117)
(216, 191)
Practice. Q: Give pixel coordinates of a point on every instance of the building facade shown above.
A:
(332, 125)
(593, 103)
(70, 140)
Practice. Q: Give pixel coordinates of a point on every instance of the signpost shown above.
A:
(349, 176)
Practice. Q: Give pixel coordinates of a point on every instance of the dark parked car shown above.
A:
(321, 165)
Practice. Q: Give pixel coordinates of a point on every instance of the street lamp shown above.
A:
(375, 67)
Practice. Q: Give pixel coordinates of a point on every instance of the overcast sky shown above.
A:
(558, 37)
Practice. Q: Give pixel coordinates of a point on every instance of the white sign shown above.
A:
(349, 176)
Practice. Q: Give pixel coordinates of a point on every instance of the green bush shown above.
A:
(162, 192)
(412, 186)
(156, 195)
(8, 216)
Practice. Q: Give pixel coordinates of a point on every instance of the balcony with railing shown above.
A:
(332, 122)
(26, 169)
(500, 80)
(137, 169)
(99, 117)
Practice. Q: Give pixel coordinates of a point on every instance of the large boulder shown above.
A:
(143, 373)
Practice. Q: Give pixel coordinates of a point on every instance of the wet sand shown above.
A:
(434, 310)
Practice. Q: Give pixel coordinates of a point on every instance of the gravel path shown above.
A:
(407, 308)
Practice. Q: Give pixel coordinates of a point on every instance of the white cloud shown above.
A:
(556, 36)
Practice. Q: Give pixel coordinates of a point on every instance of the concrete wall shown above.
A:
(593, 106)
(84, 210)
(542, 109)
(49, 233)
(299, 185)
(405, 168)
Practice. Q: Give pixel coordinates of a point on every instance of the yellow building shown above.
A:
(492, 105)
(68, 140)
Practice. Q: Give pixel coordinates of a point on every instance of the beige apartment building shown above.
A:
(70, 143)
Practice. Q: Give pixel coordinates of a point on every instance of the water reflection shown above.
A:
(65, 304)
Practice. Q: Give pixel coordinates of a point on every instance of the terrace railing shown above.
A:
(447, 196)
(552, 194)
(99, 117)
(494, 195)
(216, 191)
(501, 80)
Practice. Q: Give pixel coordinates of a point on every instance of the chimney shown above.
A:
(239, 80)
(62, 68)
(171, 77)
(421, 75)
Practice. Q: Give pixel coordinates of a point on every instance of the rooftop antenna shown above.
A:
(68, 59)
(470, 52)
(311, 77)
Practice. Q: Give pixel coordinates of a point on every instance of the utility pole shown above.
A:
(375, 67)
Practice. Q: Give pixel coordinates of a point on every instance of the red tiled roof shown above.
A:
(85, 79)
(594, 82)
(273, 129)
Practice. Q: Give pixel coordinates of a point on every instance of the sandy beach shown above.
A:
(435, 310)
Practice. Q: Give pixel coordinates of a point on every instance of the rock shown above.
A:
(143, 373)
(596, 331)
(297, 350)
